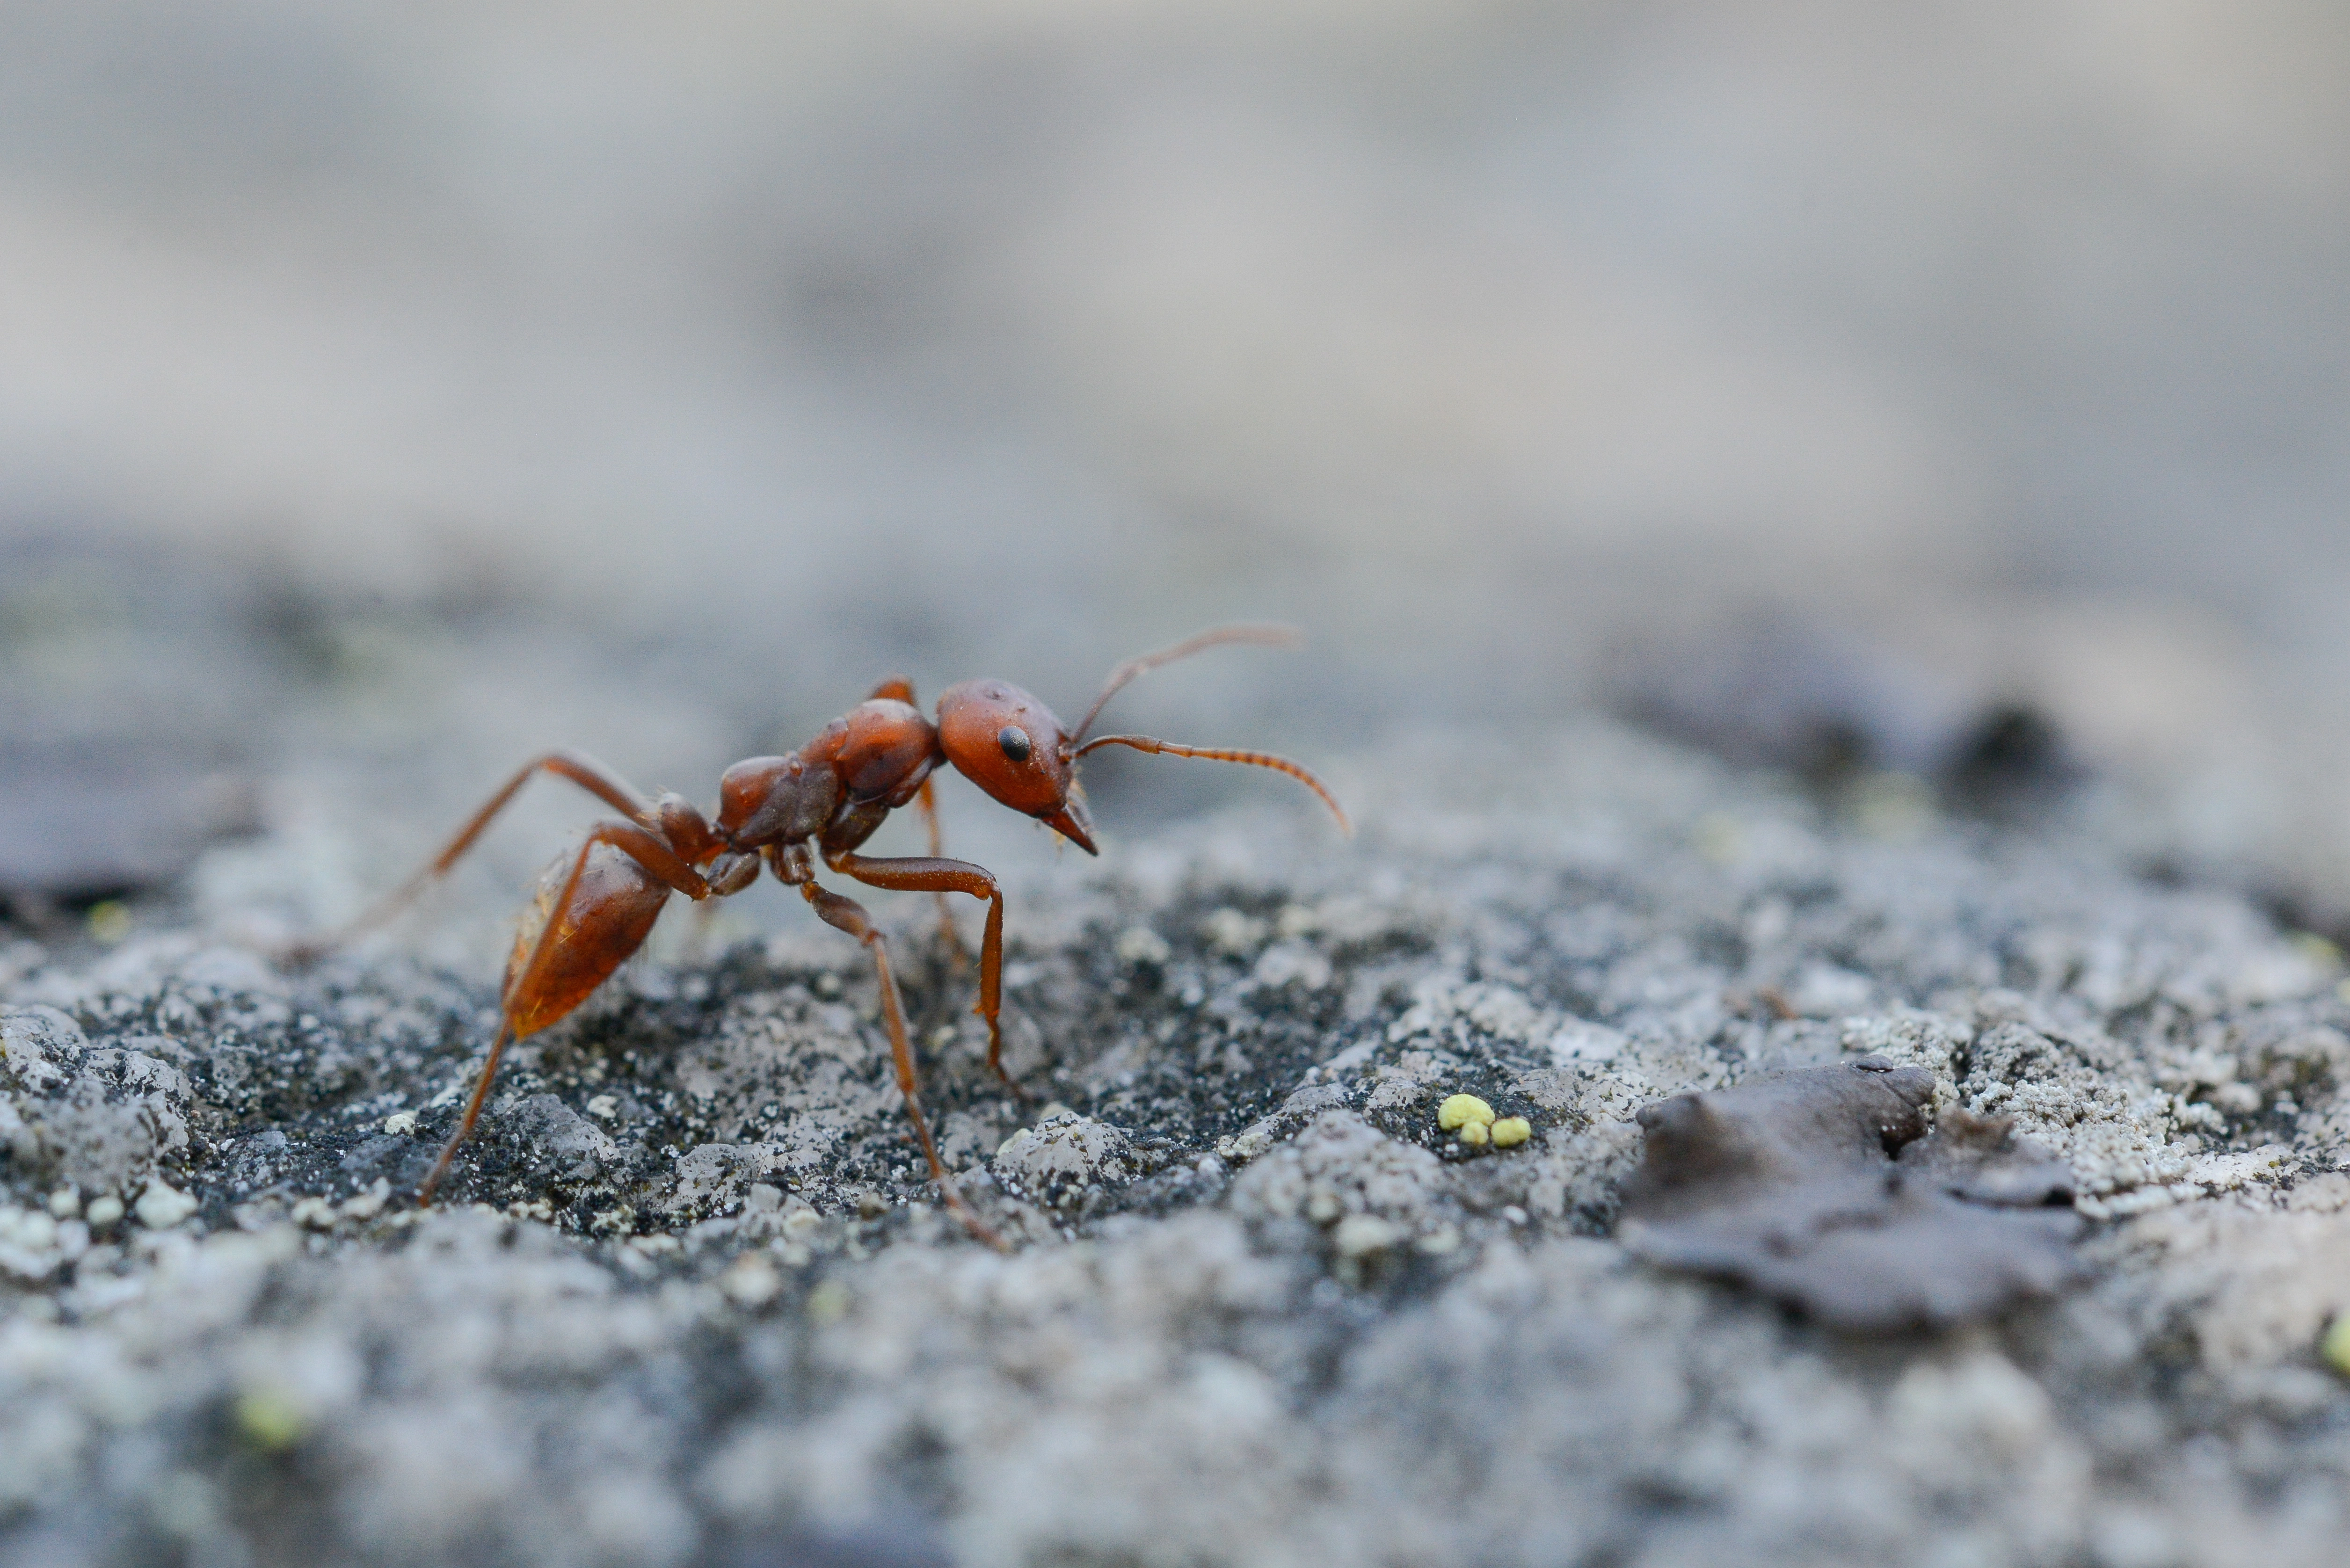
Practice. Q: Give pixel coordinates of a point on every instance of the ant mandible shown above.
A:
(594, 906)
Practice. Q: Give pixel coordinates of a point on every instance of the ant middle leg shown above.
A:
(914, 874)
(580, 928)
(848, 915)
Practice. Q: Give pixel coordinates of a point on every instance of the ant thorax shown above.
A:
(776, 800)
(883, 750)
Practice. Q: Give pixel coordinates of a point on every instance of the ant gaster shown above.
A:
(596, 905)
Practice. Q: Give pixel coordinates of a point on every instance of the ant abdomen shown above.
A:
(613, 904)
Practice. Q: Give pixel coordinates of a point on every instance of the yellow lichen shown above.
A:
(1463, 1110)
(271, 1420)
(1511, 1131)
(1718, 836)
(2335, 1346)
(2316, 950)
(108, 922)
(1474, 1133)
(829, 1302)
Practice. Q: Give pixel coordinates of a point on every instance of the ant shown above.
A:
(595, 904)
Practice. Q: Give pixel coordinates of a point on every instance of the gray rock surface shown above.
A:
(689, 1298)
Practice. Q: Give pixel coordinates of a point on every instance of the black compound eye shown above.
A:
(1014, 742)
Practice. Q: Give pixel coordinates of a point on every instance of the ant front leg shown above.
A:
(577, 766)
(848, 915)
(913, 875)
(581, 928)
(927, 799)
(900, 689)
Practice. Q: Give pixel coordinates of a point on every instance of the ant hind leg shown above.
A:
(577, 766)
(587, 926)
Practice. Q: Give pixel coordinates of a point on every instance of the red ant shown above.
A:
(596, 905)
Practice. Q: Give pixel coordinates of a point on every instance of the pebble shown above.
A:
(105, 1210)
(1360, 1235)
(400, 1123)
(27, 1227)
(751, 1281)
(1441, 1242)
(161, 1207)
(1228, 931)
(1141, 945)
(315, 1213)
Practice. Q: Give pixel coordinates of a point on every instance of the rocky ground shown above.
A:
(689, 1298)
(1929, 417)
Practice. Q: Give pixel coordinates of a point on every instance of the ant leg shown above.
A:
(927, 800)
(587, 928)
(577, 766)
(850, 916)
(900, 689)
(472, 1113)
(944, 876)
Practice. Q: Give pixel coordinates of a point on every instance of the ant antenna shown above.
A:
(1253, 759)
(1267, 634)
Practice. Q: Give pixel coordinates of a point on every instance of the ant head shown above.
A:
(1009, 744)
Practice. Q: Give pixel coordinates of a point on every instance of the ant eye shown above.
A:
(1014, 742)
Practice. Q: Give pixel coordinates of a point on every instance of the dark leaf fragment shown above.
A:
(1821, 1189)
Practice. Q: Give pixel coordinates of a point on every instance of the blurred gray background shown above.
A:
(411, 386)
